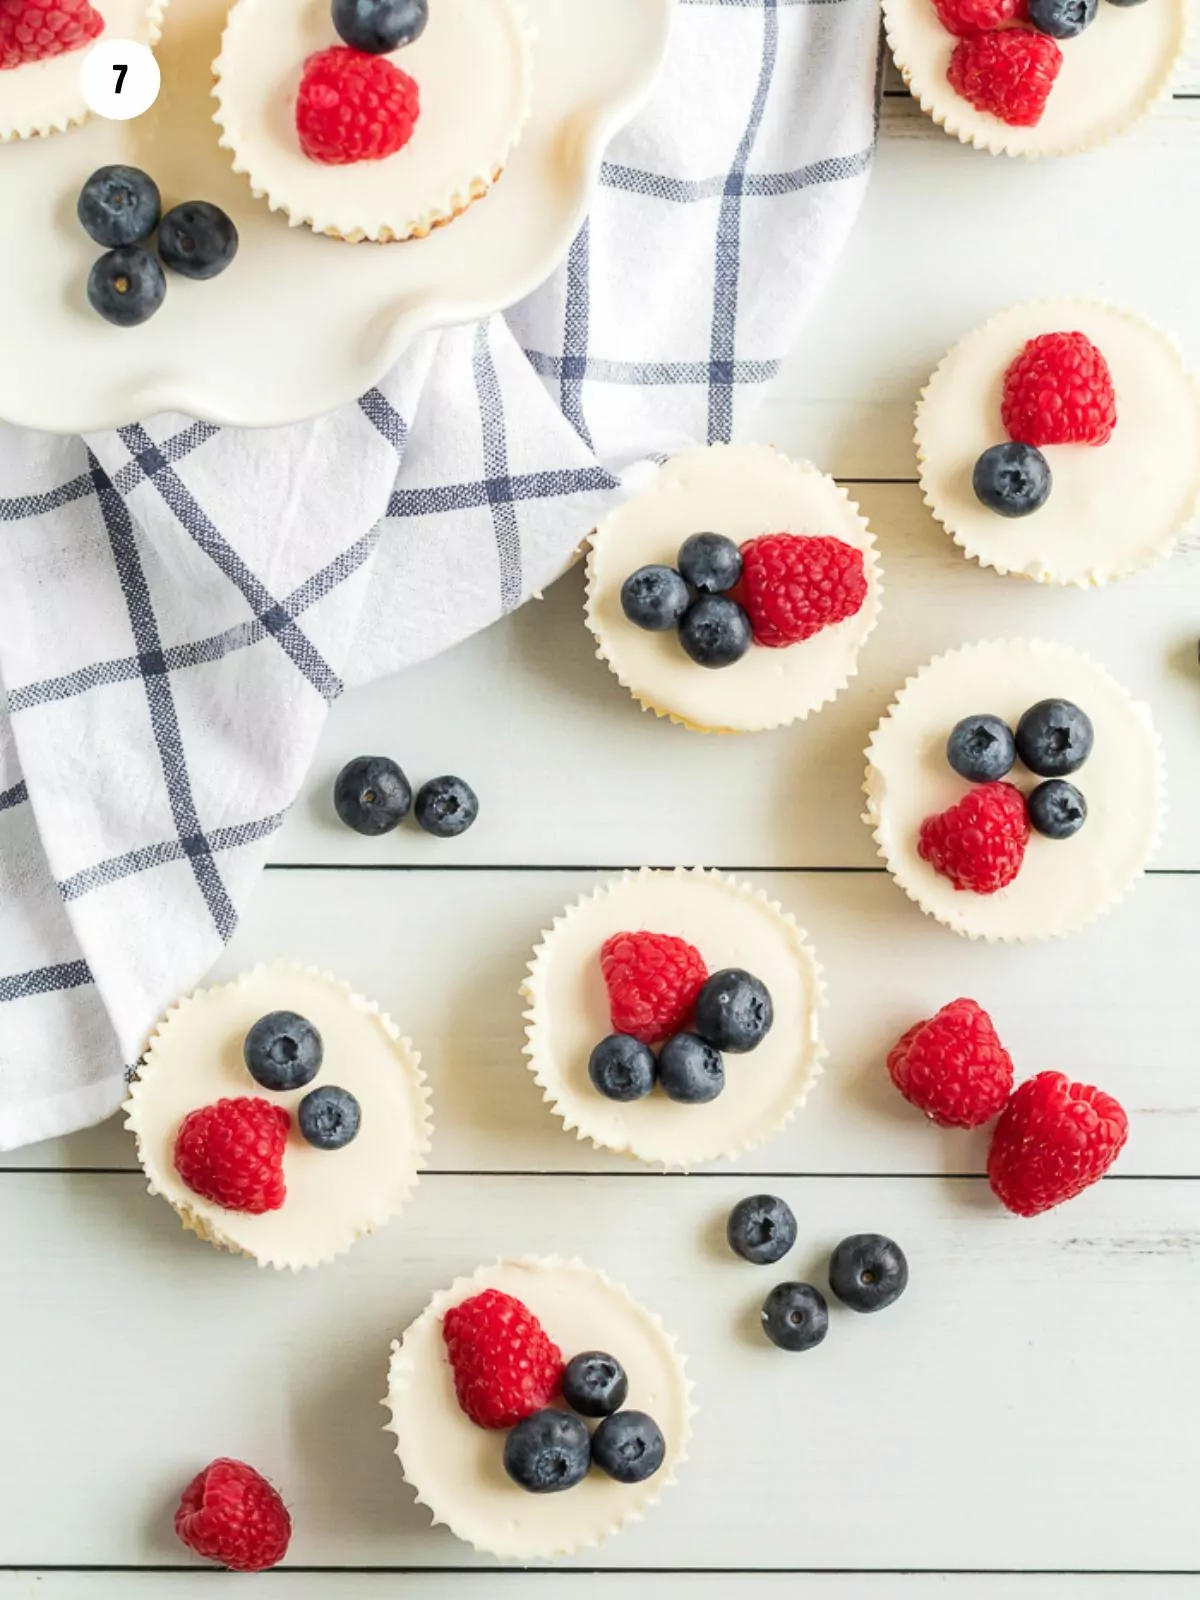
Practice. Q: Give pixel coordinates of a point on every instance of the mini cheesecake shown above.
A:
(1112, 508)
(473, 70)
(1062, 884)
(196, 1060)
(456, 1467)
(731, 925)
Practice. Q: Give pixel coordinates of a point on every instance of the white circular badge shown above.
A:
(120, 79)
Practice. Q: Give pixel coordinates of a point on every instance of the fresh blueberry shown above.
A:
(622, 1068)
(446, 807)
(1062, 19)
(981, 749)
(629, 1446)
(710, 562)
(867, 1272)
(197, 239)
(654, 598)
(1057, 809)
(594, 1384)
(329, 1117)
(795, 1316)
(126, 286)
(1013, 479)
(379, 26)
(119, 206)
(690, 1070)
(372, 795)
(761, 1229)
(547, 1452)
(283, 1051)
(1054, 738)
(715, 632)
(734, 1011)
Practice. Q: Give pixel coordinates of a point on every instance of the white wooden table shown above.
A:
(1024, 1425)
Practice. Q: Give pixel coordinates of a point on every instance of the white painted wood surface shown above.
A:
(1032, 1403)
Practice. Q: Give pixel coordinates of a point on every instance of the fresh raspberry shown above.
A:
(1059, 391)
(232, 1154)
(793, 585)
(354, 107)
(1008, 73)
(653, 980)
(953, 1067)
(1054, 1139)
(505, 1367)
(36, 30)
(231, 1514)
(965, 17)
(979, 844)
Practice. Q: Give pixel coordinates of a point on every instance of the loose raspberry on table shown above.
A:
(1059, 391)
(505, 1365)
(793, 585)
(979, 844)
(354, 107)
(1054, 1139)
(232, 1154)
(953, 1067)
(652, 980)
(231, 1514)
(36, 30)
(1008, 73)
(965, 17)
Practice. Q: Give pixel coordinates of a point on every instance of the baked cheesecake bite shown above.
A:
(42, 45)
(281, 1115)
(1060, 441)
(373, 143)
(537, 1408)
(672, 1016)
(1015, 789)
(735, 592)
(1036, 77)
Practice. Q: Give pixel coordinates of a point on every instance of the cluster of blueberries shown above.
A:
(733, 1014)
(120, 207)
(693, 596)
(553, 1450)
(372, 796)
(1053, 739)
(283, 1051)
(867, 1271)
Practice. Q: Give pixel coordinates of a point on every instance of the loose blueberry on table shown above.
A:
(795, 1316)
(446, 807)
(329, 1117)
(761, 1229)
(283, 1051)
(868, 1272)
(119, 206)
(594, 1384)
(372, 795)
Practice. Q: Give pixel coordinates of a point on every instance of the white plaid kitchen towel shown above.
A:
(180, 603)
